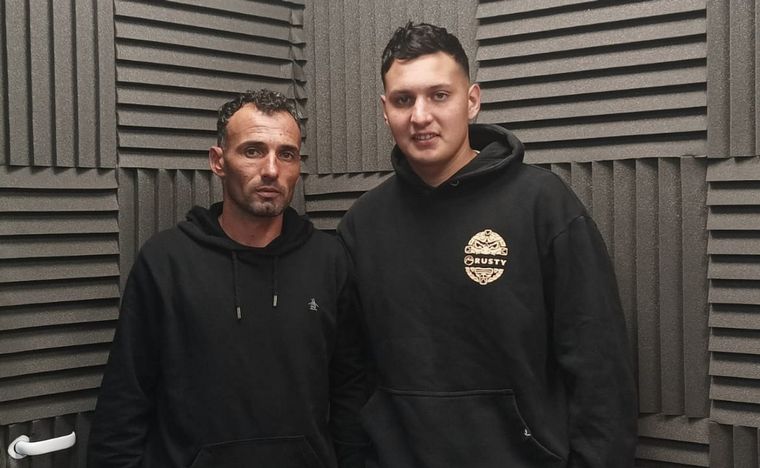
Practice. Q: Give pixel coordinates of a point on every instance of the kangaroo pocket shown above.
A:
(275, 452)
(476, 429)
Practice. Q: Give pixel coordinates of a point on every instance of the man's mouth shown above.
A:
(423, 136)
(268, 191)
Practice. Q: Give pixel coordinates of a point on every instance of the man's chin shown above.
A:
(267, 210)
(422, 155)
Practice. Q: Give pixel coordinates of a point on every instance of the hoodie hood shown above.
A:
(203, 226)
(498, 149)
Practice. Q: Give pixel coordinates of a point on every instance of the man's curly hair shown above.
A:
(265, 100)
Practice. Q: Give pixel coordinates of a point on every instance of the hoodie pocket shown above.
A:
(280, 452)
(477, 429)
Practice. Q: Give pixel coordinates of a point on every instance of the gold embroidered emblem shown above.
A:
(485, 257)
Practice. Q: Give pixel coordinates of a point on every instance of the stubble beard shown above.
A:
(267, 209)
(250, 204)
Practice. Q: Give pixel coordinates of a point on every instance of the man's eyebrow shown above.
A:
(251, 143)
(425, 89)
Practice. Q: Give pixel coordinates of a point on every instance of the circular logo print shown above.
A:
(485, 257)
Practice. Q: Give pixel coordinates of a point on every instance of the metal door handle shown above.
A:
(21, 447)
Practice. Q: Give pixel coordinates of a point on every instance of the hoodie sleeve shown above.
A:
(591, 347)
(348, 379)
(126, 400)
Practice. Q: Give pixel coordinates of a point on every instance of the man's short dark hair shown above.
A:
(265, 100)
(414, 40)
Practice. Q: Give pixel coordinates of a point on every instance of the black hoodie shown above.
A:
(231, 356)
(493, 317)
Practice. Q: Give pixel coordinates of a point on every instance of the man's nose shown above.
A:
(420, 113)
(271, 167)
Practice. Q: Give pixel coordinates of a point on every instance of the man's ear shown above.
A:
(216, 160)
(385, 116)
(473, 101)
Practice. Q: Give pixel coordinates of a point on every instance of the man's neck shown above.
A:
(250, 230)
(436, 175)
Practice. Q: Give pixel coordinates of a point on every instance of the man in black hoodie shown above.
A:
(237, 343)
(488, 294)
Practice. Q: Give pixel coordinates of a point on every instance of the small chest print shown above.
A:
(485, 257)
(312, 304)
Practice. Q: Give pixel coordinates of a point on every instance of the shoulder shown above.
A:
(325, 254)
(371, 204)
(325, 241)
(165, 242)
(163, 249)
(548, 200)
(323, 248)
(376, 196)
(544, 179)
(548, 191)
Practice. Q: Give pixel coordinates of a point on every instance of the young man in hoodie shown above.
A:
(237, 343)
(488, 295)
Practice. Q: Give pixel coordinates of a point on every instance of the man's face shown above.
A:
(259, 163)
(428, 104)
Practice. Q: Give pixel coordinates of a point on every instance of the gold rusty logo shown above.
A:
(485, 257)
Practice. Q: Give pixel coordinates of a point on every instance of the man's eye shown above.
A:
(403, 100)
(288, 156)
(252, 152)
(441, 96)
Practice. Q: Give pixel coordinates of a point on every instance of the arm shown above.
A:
(592, 349)
(125, 404)
(349, 390)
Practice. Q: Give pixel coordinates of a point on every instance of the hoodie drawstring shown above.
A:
(274, 282)
(236, 289)
(235, 284)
